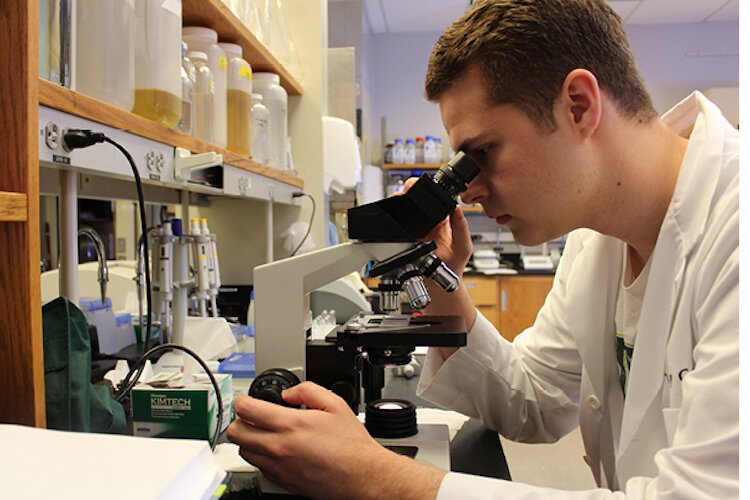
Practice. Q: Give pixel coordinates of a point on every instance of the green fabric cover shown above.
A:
(73, 402)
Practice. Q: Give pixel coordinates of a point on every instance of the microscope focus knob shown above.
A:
(269, 385)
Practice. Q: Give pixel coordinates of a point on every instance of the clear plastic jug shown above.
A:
(206, 40)
(158, 60)
(203, 97)
(239, 100)
(104, 66)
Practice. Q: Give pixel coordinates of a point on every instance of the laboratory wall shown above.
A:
(397, 64)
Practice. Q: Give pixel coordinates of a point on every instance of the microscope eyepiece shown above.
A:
(456, 174)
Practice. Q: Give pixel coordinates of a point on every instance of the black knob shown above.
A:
(269, 385)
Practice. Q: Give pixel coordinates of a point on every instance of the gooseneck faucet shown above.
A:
(101, 256)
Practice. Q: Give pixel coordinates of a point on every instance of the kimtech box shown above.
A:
(181, 412)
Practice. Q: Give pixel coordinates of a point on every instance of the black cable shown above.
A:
(82, 138)
(127, 384)
(76, 139)
(144, 232)
(309, 226)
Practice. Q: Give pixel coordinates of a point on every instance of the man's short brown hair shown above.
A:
(526, 48)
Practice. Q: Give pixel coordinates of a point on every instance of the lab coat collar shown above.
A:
(681, 229)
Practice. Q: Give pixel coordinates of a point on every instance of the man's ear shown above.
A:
(580, 102)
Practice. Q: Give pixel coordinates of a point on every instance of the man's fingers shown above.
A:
(262, 413)
(460, 227)
(315, 397)
(255, 440)
(407, 186)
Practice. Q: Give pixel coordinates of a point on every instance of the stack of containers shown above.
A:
(104, 51)
(206, 40)
(158, 87)
(239, 100)
(275, 99)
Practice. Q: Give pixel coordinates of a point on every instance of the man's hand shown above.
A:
(451, 236)
(324, 451)
(454, 247)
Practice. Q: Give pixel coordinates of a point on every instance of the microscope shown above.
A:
(388, 236)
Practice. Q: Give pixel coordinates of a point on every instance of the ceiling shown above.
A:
(425, 16)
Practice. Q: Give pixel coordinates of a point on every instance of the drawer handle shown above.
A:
(503, 300)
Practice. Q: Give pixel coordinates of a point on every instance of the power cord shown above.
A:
(309, 226)
(83, 138)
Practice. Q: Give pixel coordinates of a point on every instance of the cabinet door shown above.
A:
(484, 293)
(521, 297)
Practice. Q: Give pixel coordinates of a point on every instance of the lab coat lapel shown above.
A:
(647, 367)
(595, 295)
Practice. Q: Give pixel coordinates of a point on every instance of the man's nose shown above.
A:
(473, 193)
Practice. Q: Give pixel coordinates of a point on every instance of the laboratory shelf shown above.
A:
(216, 15)
(13, 207)
(68, 101)
(411, 166)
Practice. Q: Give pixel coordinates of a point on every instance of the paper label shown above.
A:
(223, 63)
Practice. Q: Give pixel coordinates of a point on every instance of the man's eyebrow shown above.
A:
(467, 144)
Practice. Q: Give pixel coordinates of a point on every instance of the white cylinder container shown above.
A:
(239, 100)
(104, 51)
(203, 97)
(158, 59)
(260, 129)
(206, 40)
(275, 99)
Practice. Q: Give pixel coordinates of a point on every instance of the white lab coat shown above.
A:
(677, 434)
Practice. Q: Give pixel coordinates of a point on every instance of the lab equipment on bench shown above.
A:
(354, 356)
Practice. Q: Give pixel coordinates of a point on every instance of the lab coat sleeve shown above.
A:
(528, 389)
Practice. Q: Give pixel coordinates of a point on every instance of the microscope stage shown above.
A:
(387, 330)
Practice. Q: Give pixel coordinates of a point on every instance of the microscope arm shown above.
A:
(282, 300)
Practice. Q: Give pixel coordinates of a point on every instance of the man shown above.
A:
(638, 340)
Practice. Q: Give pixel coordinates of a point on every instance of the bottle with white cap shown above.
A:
(275, 99)
(206, 40)
(203, 97)
(260, 129)
(239, 100)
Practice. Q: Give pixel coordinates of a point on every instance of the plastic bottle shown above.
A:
(398, 151)
(187, 76)
(275, 99)
(388, 153)
(439, 148)
(105, 51)
(419, 150)
(239, 100)
(410, 152)
(203, 97)
(205, 40)
(430, 150)
(260, 129)
(158, 88)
